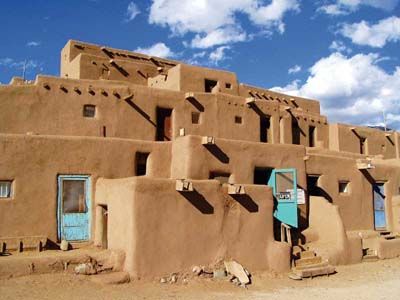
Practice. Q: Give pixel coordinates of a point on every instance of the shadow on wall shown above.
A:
(199, 202)
(246, 202)
(218, 153)
(196, 104)
(140, 111)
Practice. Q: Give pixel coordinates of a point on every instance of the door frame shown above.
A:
(383, 184)
(60, 179)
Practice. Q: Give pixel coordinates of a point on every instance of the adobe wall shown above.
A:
(192, 160)
(203, 227)
(33, 163)
(356, 206)
(55, 106)
(347, 138)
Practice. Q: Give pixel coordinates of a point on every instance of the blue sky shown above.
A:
(344, 53)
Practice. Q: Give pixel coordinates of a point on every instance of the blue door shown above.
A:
(379, 206)
(73, 212)
(284, 185)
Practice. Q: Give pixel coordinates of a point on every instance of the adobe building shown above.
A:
(179, 165)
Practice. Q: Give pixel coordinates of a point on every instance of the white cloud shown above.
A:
(376, 35)
(218, 54)
(352, 89)
(158, 49)
(33, 44)
(344, 7)
(295, 69)
(219, 36)
(208, 19)
(132, 11)
(339, 46)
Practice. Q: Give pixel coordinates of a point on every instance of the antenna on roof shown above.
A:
(24, 70)
(384, 120)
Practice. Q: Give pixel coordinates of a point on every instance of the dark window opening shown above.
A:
(141, 163)
(295, 132)
(311, 136)
(343, 187)
(209, 85)
(265, 124)
(164, 124)
(89, 111)
(228, 85)
(363, 142)
(220, 176)
(5, 189)
(262, 175)
(104, 131)
(195, 117)
(238, 119)
(312, 185)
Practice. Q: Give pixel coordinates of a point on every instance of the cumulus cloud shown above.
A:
(158, 49)
(295, 69)
(33, 44)
(132, 11)
(214, 18)
(352, 89)
(218, 54)
(376, 35)
(219, 36)
(344, 7)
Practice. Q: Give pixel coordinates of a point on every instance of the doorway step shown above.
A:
(307, 263)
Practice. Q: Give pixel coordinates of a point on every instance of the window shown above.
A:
(209, 85)
(262, 175)
(265, 124)
(141, 163)
(74, 196)
(195, 117)
(228, 85)
(238, 119)
(311, 136)
(295, 132)
(5, 189)
(89, 111)
(343, 187)
(220, 176)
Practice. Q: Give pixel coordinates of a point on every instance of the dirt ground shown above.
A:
(373, 280)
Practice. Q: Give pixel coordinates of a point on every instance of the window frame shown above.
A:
(10, 194)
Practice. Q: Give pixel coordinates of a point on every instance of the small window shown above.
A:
(228, 85)
(89, 111)
(141, 163)
(343, 187)
(209, 85)
(220, 176)
(238, 119)
(363, 145)
(5, 188)
(195, 117)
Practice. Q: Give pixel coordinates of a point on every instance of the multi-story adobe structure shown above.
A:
(180, 165)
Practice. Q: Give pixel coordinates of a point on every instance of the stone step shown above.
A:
(317, 265)
(370, 258)
(307, 254)
(314, 271)
(308, 261)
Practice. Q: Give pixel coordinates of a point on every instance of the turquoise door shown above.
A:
(379, 206)
(284, 185)
(73, 214)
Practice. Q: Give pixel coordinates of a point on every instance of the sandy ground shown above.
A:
(373, 280)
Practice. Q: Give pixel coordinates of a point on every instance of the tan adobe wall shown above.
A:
(356, 206)
(33, 163)
(203, 227)
(377, 142)
(55, 106)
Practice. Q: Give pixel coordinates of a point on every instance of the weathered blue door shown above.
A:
(73, 212)
(379, 206)
(284, 185)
